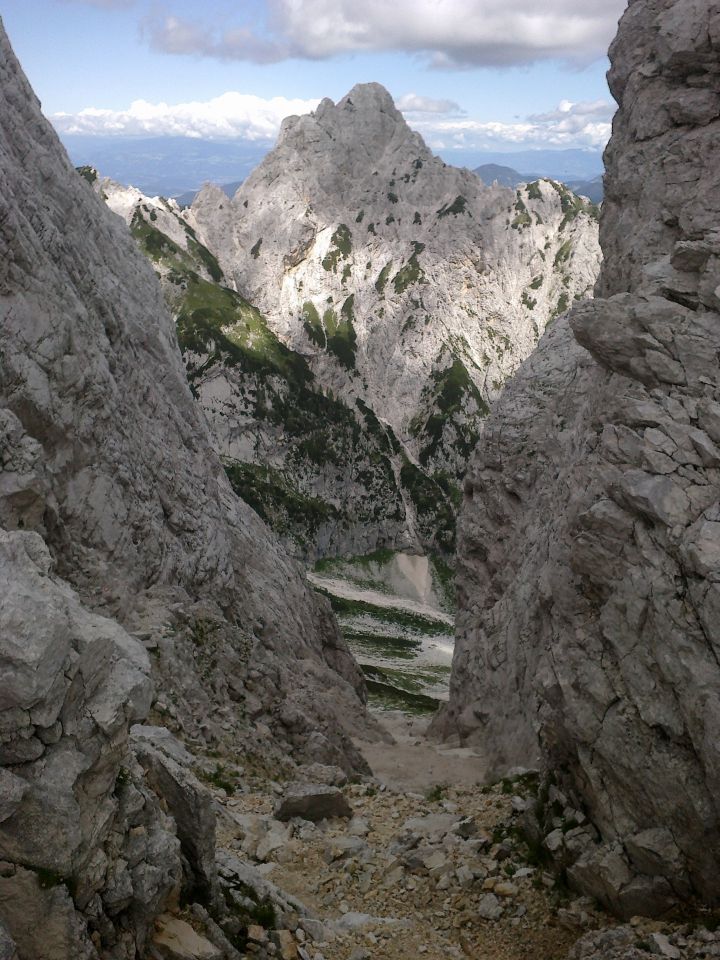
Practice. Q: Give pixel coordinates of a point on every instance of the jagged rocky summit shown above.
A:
(394, 294)
(132, 581)
(589, 559)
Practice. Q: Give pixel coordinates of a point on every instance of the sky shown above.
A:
(468, 74)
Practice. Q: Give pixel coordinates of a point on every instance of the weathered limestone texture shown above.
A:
(111, 461)
(119, 535)
(589, 632)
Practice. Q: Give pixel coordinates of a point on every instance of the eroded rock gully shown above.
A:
(590, 536)
(135, 587)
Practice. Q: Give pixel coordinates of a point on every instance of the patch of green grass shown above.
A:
(333, 333)
(533, 190)
(414, 621)
(273, 496)
(340, 248)
(210, 263)
(384, 696)
(563, 254)
(435, 508)
(437, 793)
(382, 279)
(219, 323)
(456, 208)
(453, 389)
(411, 272)
(536, 283)
(88, 173)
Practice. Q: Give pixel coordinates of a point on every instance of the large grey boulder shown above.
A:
(589, 571)
(312, 801)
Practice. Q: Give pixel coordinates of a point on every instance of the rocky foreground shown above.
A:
(379, 868)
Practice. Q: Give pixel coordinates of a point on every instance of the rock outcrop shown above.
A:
(589, 580)
(120, 535)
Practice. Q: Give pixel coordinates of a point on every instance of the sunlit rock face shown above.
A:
(590, 535)
(409, 289)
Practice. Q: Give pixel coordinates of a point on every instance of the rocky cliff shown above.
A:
(121, 536)
(590, 534)
(391, 297)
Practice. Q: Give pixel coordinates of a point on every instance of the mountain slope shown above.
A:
(124, 484)
(404, 281)
(409, 289)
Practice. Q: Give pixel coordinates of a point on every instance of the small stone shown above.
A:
(505, 889)
(257, 934)
(490, 907)
(660, 944)
(286, 943)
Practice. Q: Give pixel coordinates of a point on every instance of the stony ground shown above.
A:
(435, 872)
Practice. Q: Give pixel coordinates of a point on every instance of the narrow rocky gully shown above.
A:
(424, 858)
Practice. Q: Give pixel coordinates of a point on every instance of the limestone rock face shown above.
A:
(589, 554)
(119, 534)
(131, 496)
(407, 289)
(81, 836)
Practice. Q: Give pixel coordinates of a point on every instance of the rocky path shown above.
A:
(421, 868)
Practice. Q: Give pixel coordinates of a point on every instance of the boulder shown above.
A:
(312, 801)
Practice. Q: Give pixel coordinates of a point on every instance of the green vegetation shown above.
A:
(386, 697)
(220, 778)
(536, 283)
(563, 254)
(332, 333)
(417, 219)
(88, 173)
(572, 205)
(219, 323)
(359, 217)
(340, 248)
(453, 388)
(255, 250)
(533, 190)
(392, 197)
(272, 495)
(523, 218)
(206, 258)
(458, 206)
(411, 272)
(414, 621)
(436, 500)
(382, 279)
(437, 793)
(528, 301)
(561, 305)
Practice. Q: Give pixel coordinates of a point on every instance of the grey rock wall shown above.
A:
(590, 537)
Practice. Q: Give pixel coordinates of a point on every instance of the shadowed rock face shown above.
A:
(112, 459)
(590, 537)
(113, 501)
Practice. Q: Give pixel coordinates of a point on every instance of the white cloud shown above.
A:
(569, 125)
(231, 115)
(441, 122)
(413, 103)
(449, 33)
